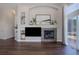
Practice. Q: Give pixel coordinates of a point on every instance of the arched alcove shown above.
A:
(33, 11)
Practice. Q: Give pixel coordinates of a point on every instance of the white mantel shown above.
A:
(42, 26)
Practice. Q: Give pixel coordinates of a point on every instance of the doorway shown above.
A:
(71, 30)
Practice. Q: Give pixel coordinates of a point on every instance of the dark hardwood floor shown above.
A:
(11, 47)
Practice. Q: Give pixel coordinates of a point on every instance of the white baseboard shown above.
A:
(59, 41)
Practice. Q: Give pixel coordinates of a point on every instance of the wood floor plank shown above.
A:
(11, 47)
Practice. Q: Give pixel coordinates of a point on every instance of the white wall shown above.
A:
(1, 24)
(6, 21)
(32, 9)
(59, 25)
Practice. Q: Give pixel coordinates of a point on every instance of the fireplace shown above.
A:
(49, 33)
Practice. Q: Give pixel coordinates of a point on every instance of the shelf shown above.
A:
(43, 26)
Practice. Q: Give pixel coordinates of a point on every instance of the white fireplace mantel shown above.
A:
(42, 26)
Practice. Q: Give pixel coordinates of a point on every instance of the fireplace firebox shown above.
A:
(49, 33)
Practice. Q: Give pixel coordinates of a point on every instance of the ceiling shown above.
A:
(63, 4)
(15, 4)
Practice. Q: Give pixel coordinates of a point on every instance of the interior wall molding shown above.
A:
(32, 8)
(44, 7)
